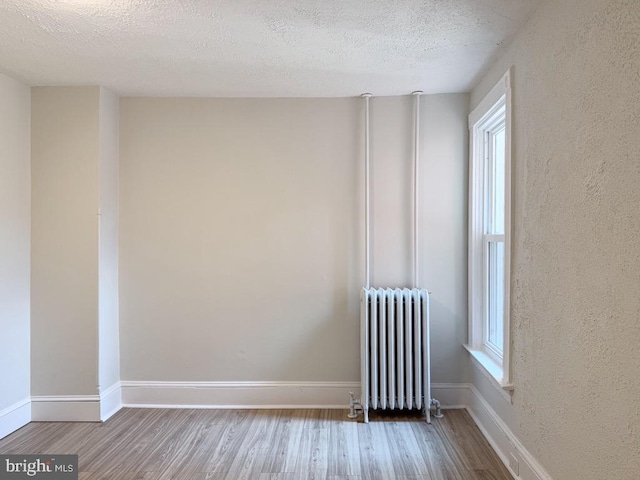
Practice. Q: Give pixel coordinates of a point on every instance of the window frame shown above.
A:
(482, 120)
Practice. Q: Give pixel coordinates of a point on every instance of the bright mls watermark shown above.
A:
(51, 467)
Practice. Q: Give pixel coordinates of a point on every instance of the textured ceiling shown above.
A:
(256, 48)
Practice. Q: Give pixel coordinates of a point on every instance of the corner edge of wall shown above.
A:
(15, 416)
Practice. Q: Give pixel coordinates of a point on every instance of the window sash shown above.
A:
(493, 296)
(494, 174)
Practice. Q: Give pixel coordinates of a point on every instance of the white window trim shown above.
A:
(497, 371)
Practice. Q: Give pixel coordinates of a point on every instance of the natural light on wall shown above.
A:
(489, 233)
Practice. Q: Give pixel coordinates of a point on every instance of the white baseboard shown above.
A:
(238, 394)
(77, 408)
(451, 395)
(503, 440)
(14, 417)
(65, 408)
(110, 401)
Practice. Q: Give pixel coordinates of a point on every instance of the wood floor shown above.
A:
(158, 444)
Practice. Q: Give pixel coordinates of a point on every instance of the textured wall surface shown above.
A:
(15, 213)
(248, 48)
(64, 241)
(241, 233)
(576, 243)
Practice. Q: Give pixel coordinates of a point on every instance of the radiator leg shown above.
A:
(427, 417)
(366, 415)
(436, 404)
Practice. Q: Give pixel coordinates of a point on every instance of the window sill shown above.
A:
(492, 370)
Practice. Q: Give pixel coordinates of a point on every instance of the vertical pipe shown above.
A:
(368, 307)
(367, 199)
(416, 158)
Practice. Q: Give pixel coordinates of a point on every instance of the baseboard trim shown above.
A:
(65, 408)
(110, 401)
(451, 395)
(145, 394)
(237, 394)
(15, 416)
(502, 439)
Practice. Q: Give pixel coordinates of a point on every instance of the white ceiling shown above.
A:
(256, 48)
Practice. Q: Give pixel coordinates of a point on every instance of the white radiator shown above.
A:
(395, 352)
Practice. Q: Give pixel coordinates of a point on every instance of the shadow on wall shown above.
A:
(449, 359)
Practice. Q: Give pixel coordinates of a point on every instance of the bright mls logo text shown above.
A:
(30, 468)
(58, 467)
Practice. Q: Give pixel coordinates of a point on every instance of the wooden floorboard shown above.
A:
(164, 444)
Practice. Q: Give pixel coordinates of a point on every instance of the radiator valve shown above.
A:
(355, 407)
(436, 404)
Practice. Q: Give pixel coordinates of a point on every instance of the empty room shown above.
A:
(306, 239)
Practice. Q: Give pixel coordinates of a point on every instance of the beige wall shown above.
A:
(64, 248)
(443, 231)
(15, 202)
(576, 238)
(241, 233)
(443, 206)
(108, 330)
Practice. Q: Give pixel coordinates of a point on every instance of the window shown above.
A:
(489, 232)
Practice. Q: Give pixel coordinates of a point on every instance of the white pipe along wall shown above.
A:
(415, 206)
(367, 188)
